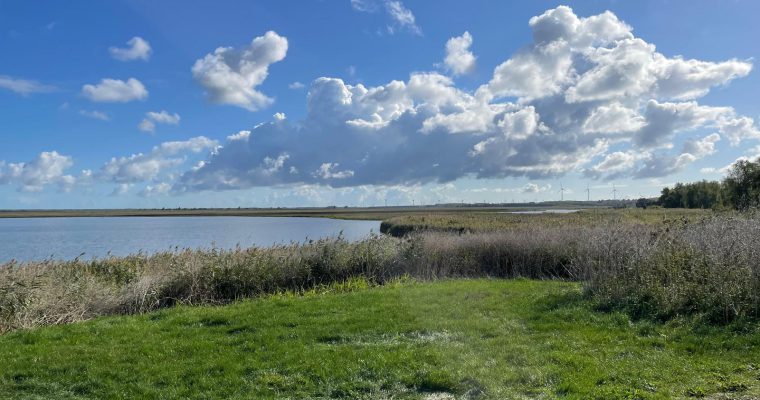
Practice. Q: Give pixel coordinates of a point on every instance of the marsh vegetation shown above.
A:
(644, 262)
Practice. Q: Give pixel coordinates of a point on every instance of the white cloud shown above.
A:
(231, 76)
(194, 145)
(585, 95)
(364, 5)
(48, 168)
(459, 59)
(24, 86)
(138, 49)
(148, 124)
(115, 91)
(613, 118)
(242, 135)
(146, 167)
(614, 163)
(535, 188)
(702, 147)
(95, 115)
(164, 117)
(681, 79)
(330, 171)
(155, 190)
(402, 16)
(296, 85)
(279, 116)
(738, 129)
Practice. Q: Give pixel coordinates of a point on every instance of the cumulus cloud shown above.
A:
(138, 49)
(24, 86)
(584, 95)
(149, 166)
(459, 59)
(231, 76)
(296, 85)
(148, 124)
(48, 168)
(738, 128)
(115, 91)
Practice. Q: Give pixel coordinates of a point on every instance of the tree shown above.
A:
(644, 203)
(703, 194)
(741, 186)
(740, 189)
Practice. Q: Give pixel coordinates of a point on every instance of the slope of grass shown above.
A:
(486, 339)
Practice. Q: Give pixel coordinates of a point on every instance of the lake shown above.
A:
(29, 239)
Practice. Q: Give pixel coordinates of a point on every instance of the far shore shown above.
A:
(324, 212)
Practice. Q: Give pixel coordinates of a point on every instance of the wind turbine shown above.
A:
(614, 192)
(561, 192)
(588, 193)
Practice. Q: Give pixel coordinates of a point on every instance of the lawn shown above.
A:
(447, 339)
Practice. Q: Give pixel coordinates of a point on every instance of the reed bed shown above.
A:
(708, 267)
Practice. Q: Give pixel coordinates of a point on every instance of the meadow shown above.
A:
(600, 303)
(466, 339)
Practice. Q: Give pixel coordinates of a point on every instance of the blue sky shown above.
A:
(364, 102)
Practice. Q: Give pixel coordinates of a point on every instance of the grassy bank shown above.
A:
(484, 339)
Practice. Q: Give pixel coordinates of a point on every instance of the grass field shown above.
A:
(484, 339)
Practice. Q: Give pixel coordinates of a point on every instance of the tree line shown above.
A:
(739, 190)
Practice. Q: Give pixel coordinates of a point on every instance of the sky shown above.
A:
(132, 104)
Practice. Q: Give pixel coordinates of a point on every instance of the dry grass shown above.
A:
(46, 293)
(466, 222)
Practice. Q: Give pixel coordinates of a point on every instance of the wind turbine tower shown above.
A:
(614, 192)
(588, 193)
(561, 192)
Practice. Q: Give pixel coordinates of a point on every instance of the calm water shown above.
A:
(27, 239)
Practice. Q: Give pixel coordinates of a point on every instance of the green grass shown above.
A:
(488, 339)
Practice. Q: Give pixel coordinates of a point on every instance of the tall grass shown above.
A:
(709, 267)
(54, 292)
